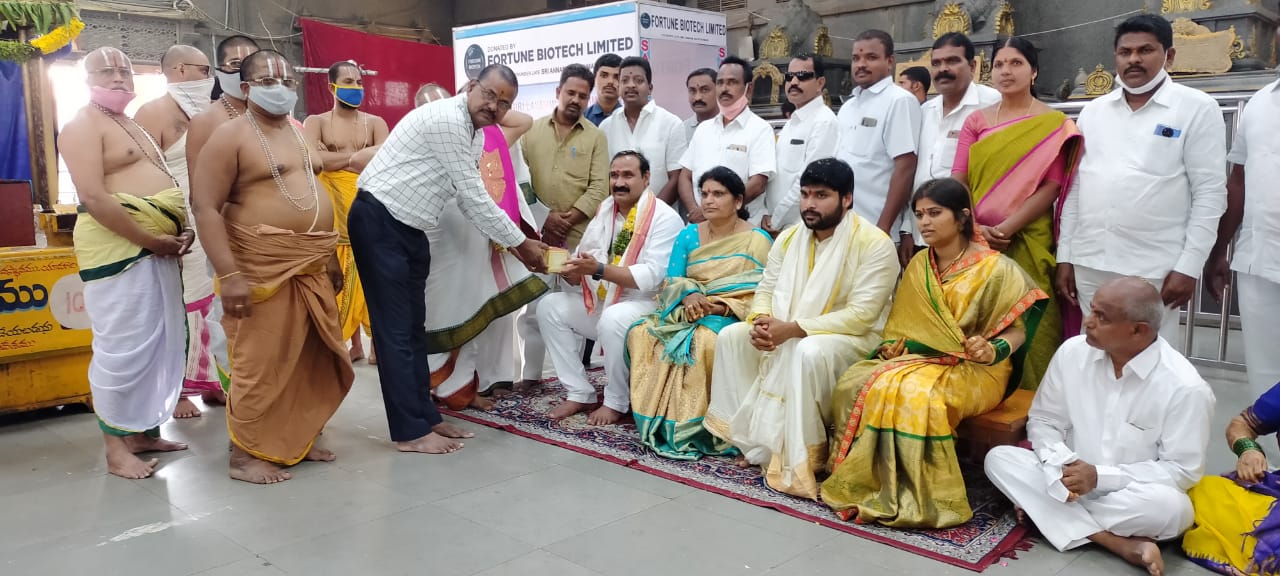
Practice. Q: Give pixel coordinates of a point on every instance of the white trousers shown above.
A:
(495, 349)
(1155, 511)
(1260, 319)
(1088, 280)
(563, 322)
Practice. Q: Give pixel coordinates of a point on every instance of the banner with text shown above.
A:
(665, 22)
(41, 302)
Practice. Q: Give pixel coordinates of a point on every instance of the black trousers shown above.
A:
(393, 260)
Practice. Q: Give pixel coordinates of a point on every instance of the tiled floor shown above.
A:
(503, 506)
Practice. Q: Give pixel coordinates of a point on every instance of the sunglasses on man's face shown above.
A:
(803, 76)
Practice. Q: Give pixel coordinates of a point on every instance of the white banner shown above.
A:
(666, 22)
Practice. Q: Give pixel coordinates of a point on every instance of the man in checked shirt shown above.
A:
(428, 160)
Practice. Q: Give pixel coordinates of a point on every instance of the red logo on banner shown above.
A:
(644, 48)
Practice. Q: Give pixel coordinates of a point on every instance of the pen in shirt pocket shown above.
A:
(573, 152)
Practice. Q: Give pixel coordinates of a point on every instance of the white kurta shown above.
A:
(745, 145)
(563, 318)
(658, 134)
(773, 405)
(1146, 432)
(877, 125)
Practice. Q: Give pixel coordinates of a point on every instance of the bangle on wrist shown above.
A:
(1245, 444)
(1002, 350)
(228, 275)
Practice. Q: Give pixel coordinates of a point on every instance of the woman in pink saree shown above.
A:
(1018, 158)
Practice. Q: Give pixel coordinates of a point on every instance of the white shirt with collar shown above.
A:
(1257, 148)
(939, 134)
(812, 133)
(1151, 185)
(1150, 425)
(745, 145)
(658, 134)
(877, 125)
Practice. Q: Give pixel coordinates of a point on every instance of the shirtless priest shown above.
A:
(228, 101)
(127, 247)
(347, 139)
(620, 265)
(269, 232)
(186, 72)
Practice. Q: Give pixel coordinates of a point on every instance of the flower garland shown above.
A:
(55, 40)
(619, 246)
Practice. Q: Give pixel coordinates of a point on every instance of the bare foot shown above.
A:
(481, 403)
(318, 454)
(122, 462)
(604, 416)
(214, 397)
(521, 387)
(249, 469)
(432, 443)
(741, 462)
(1022, 516)
(185, 409)
(357, 349)
(373, 357)
(450, 431)
(566, 409)
(1141, 552)
(139, 443)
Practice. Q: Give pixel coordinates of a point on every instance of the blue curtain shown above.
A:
(15, 159)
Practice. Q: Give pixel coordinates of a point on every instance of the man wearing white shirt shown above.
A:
(1118, 429)
(429, 160)
(736, 139)
(879, 135)
(1151, 185)
(613, 280)
(953, 62)
(810, 134)
(644, 126)
(701, 84)
(1253, 209)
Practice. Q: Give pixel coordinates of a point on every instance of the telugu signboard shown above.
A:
(41, 303)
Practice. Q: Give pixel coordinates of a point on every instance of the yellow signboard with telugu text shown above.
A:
(41, 303)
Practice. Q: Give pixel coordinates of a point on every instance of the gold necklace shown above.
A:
(1000, 105)
(954, 262)
(157, 160)
(296, 201)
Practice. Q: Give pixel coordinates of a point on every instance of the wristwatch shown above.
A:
(599, 272)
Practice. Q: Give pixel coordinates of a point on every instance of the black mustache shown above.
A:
(722, 94)
(944, 76)
(1134, 69)
(699, 102)
(813, 213)
(794, 89)
(621, 189)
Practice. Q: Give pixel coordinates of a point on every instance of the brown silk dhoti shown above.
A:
(290, 369)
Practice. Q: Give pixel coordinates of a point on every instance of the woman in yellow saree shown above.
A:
(1018, 159)
(711, 279)
(953, 345)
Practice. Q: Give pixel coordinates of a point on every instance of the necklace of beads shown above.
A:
(231, 110)
(157, 160)
(296, 201)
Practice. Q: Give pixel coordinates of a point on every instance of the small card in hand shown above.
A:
(555, 258)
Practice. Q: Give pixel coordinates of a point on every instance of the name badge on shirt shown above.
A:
(954, 134)
(797, 142)
(1168, 131)
(869, 122)
(736, 148)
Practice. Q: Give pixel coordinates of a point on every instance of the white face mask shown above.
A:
(1155, 81)
(230, 83)
(191, 96)
(275, 100)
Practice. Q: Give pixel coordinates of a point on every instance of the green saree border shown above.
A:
(504, 303)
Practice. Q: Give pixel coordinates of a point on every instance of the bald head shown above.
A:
(1124, 317)
(1139, 300)
(430, 93)
(109, 68)
(184, 63)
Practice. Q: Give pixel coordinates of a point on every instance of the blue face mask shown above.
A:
(352, 96)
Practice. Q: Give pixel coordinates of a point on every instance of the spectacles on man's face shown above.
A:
(272, 81)
(803, 76)
(203, 68)
(491, 97)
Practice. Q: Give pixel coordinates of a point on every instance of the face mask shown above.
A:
(1149, 86)
(352, 95)
(113, 100)
(230, 84)
(193, 96)
(274, 100)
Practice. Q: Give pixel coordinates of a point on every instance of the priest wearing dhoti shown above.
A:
(1118, 429)
(621, 263)
(818, 310)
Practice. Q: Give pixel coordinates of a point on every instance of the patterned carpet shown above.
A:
(992, 534)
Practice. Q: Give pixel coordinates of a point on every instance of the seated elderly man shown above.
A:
(1119, 430)
(621, 263)
(818, 310)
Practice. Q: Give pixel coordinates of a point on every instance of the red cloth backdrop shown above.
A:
(402, 67)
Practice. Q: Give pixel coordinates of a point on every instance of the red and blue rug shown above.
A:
(993, 532)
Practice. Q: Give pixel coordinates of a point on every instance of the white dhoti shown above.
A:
(1143, 510)
(1088, 280)
(563, 322)
(773, 406)
(1260, 320)
(139, 344)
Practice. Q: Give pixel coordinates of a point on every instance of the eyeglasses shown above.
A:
(110, 72)
(272, 81)
(203, 68)
(490, 97)
(803, 76)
